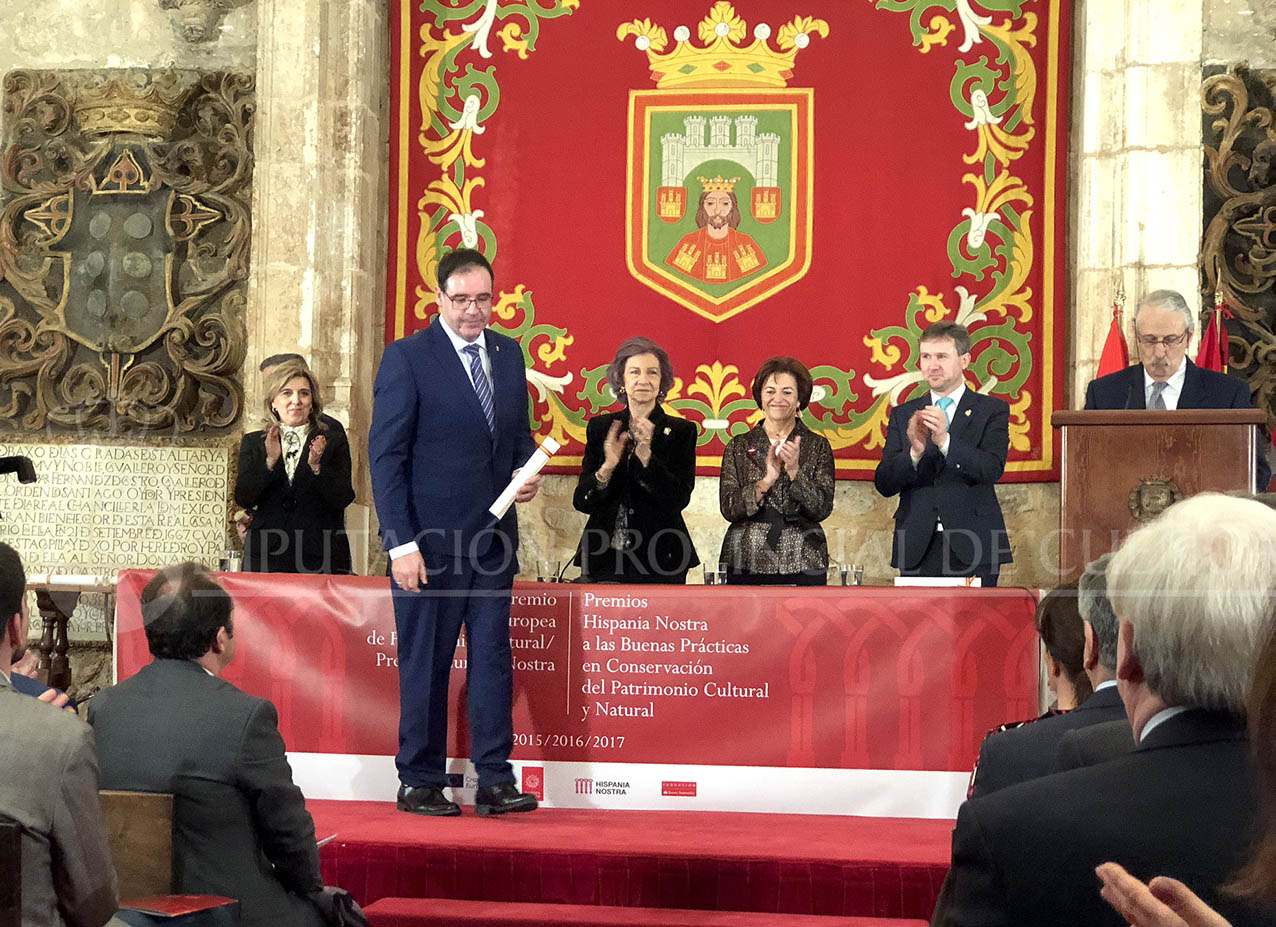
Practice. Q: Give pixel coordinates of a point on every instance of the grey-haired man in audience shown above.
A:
(1192, 593)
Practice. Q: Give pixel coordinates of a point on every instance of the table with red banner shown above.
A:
(710, 698)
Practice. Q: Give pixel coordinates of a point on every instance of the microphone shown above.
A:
(1129, 398)
(20, 465)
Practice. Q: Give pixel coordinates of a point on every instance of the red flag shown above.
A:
(1116, 353)
(1212, 354)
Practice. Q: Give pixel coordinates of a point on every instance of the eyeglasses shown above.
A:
(1151, 341)
(483, 300)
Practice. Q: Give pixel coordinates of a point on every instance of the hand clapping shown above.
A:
(274, 449)
(787, 452)
(925, 424)
(640, 432)
(936, 422)
(316, 452)
(614, 447)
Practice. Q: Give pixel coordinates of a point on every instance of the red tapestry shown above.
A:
(820, 178)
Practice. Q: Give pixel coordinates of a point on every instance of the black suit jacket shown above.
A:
(1181, 805)
(1095, 744)
(1202, 389)
(1026, 752)
(957, 490)
(240, 825)
(297, 526)
(653, 497)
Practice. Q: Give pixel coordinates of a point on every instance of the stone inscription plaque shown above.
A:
(98, 509)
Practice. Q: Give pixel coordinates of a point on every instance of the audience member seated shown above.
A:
(777, 486)
(1167, 902)
(1097, 743)
(294, 476)
(1191, 591)
(1079, 634)
(636, 477)
(22, 678)
(48, 784)
(240, 825)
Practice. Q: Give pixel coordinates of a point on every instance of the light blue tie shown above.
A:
(481, 386)
(946, 404)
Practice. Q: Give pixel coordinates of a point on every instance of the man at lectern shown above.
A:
(1166, 378)
(449, 426)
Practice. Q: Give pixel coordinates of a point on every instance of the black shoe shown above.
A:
(502, 799)
(425, 799)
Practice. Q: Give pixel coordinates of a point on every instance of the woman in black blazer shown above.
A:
(294, 477)
(637, 476)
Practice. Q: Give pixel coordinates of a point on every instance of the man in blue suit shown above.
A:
(1166, 379)
(449, 428)
(944, 453)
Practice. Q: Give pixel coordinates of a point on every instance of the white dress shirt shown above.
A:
(459, 344)
(1160, 717)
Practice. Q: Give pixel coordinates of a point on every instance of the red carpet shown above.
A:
(436, 912)
(785, 864)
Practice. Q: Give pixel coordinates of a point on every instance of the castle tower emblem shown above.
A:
(719, 167)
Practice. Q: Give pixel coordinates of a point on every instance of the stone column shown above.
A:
(319, 208)
(1136, 162)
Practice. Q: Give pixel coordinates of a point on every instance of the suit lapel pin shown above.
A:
(666, 431)
(967, 413)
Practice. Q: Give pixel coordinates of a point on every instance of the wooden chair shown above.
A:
(10, 873)
(139, 828)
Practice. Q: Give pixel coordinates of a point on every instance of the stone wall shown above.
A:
(319, 214)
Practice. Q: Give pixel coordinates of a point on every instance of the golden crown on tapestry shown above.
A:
(723, 60)
(718, 184)
(140, 103)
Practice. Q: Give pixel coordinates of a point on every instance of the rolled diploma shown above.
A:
(548, 448)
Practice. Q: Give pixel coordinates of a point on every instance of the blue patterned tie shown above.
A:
(481, 386)
(946, 403)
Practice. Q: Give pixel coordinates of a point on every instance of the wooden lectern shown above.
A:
(1121, 468)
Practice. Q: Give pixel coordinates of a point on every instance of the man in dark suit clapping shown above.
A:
(945, 452)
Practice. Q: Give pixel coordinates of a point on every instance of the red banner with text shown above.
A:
(865, 678)
(736, 180)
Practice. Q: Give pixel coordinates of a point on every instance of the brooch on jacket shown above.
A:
(751, 451)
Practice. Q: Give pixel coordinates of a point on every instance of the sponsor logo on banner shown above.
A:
(610, 787)
(678, 789)
(720, 180)
(584, 786)
(534, 781)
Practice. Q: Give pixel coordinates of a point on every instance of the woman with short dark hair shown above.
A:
(636, 478)
(294, 477)
(777, 486)
(1063, 646)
